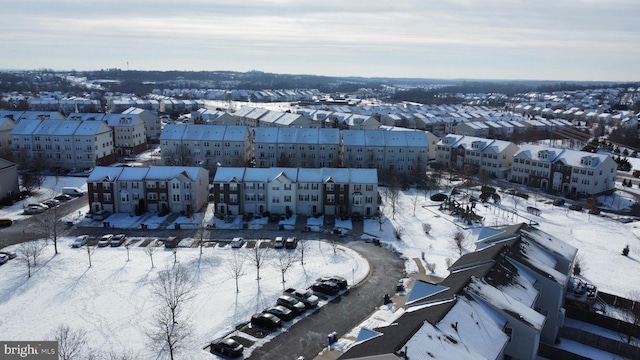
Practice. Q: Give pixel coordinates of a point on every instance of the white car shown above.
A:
(237, 242)
(105, 240)
(80, 241)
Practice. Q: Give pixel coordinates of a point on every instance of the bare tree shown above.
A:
(30, 252)
(302, 246)
(414, 201)
(169, 332)
(202, 233)
(380, 218)
(334, 245)
(173, 288)
(150, 250)
(392, 193)
(49, 225)
(236, 267)
(259, 257)
(72, 343)
(516, 201)
(90, 251)
(128, 247)
(459, 242)
(284, 260)
(426, 227)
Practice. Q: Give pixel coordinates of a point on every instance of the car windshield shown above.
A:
(307, 294)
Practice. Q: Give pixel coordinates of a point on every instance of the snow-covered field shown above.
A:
(112, 300)
(599, 238)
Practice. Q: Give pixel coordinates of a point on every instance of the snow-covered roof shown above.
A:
(101, 173)
(503, 302)
(170, 172)
(172, 132)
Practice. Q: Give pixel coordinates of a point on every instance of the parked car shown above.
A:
(278, 243)
(237, 242)
(227, 347)
(5, 222)
(117, 240)
(101, 215)
(338, 280)
(291, 243)
(326, 287)
(291, 303)
(285, 314)
(3, 259)
(72, 191)
(305, 296)
(575, 207)
(80, 241)
(105, 240)
(266, 320)
(10, 254)
(63, 197)
(51, 203)
(558, 202)
(33, 209)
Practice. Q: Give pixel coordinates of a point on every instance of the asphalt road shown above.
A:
(309, 336)
(27, 229)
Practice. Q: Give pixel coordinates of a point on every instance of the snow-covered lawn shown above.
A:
(600, 239)
(112, 300)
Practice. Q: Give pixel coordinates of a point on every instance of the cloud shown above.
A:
(373, 35)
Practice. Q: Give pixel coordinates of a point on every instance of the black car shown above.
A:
(227, 347)
(266, 320)
(63, 197)
(326, 287)
(285, 314)
(338, 280)
(291, 303)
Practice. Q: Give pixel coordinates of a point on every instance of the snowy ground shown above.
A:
(112, 299)
(599, 238)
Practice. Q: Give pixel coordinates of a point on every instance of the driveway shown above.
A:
(309, 336)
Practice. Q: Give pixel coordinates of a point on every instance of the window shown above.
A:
(331, 198)
(233, 198)
(152, 196)
(176, 197)
(233, 186)
(221, 198)
(329, 186)
(287, 199)
(287, 186)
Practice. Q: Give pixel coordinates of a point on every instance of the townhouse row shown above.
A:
(216, 145)
(565, 171)
(500, 302)
(157, 189)
(329, 191)
(82, 140)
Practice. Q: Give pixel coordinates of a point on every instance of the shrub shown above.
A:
(625, 251)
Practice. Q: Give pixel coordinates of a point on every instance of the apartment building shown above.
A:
(501, 301)
(150, 189)
(6, 126)
(152, 123)
(63, 144)
(476, 155)
(396, 151)
(567, 171)
(129, 133)
(296, 147)
(330, 191)
(208, 146)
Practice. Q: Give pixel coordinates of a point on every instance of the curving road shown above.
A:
(309, 336)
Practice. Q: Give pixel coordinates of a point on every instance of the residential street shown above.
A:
(308, 337)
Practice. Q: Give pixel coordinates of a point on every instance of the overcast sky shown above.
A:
(480, 39)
